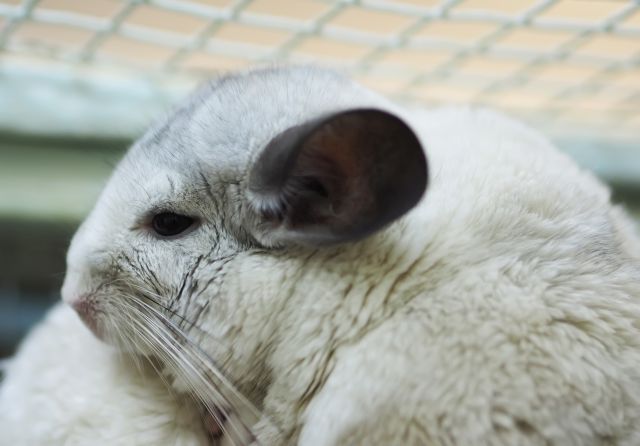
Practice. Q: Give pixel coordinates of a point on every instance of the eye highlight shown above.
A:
(167, 224)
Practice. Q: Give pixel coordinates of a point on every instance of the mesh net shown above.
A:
(567, 62)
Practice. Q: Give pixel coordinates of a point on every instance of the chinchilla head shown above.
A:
(189, 250)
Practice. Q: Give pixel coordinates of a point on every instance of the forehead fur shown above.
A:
(187, 160)
(228, 119)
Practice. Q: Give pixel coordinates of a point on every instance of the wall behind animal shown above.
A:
(80, 80)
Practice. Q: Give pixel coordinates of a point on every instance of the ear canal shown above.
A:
(337, 179)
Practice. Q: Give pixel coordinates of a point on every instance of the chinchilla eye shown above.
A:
(168, 224)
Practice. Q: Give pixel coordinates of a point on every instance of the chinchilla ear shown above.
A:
(336, 179)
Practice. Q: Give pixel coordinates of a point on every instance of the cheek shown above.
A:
(171, 277)
(244, 299)
(158, 276)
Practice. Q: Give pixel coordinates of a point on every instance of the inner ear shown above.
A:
(338, 178)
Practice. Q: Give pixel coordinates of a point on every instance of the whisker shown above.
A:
(192, 383)
(139, 334)
(202, 356)
(160, 353)
(155, 298)
(117, 337)
(149, 329)
(176, 356)
(176, 330)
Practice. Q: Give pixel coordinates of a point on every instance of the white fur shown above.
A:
(504, 309)
(67, 388)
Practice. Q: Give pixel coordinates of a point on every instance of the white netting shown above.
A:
(566, 62)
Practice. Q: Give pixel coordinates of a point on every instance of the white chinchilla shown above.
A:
(305, 262)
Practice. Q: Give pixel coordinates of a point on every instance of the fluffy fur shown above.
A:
(67, 388)
(503, 309)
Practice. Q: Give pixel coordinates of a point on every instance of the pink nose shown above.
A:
(87, 312)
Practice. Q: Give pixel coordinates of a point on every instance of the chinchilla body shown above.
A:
(301, 261)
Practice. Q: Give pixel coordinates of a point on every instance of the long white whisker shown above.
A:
(163, 354)
(139, 336)
(152, 331)
(158, 336)
(203, 357)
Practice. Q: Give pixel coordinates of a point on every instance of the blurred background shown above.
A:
(80, 79)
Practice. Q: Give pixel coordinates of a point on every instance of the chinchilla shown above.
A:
(293, 259)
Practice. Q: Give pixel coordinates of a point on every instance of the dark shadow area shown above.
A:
(47, 186)
(31, 272)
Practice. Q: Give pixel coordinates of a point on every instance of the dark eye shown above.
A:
(167, 223)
